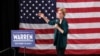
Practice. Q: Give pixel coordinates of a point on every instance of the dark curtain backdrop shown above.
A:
(9, 20)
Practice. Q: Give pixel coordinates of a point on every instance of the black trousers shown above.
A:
(60, 51)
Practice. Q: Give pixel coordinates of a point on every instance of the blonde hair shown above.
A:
(63, 10)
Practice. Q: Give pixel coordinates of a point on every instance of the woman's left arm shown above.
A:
(64, 29)
(59, 28)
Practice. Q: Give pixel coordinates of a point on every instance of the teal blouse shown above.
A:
(60, 40)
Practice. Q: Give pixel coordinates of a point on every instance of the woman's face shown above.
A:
(60, 15)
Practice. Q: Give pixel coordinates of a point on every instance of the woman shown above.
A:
(61, 30)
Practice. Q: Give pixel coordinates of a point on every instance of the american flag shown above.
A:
(83, 18)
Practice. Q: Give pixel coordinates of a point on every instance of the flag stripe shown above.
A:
(77, 0)
(78, 4)
(52, 51)
(71, 31)
(70, 41)
(71, 25)
(81, 10)
(84, 31)
(69, 46)
(70, 36)
(82, 15)
(83, 20)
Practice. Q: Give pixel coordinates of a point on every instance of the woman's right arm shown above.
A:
(43, 17)
(46, 19)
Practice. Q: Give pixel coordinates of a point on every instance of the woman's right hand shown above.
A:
(41, 15)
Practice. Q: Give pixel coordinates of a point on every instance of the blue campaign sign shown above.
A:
(22, 38)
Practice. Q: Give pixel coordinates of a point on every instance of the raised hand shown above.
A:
(41, 15)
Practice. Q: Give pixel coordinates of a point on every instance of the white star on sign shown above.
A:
(39, 10)
(52, 11)
(27, 17)
(27, 4)
(39, 4)
(49, 1)
(21, 4)
(49, 7)
(42, 7)
(30, 1)
(21, 10)
(24, 14)
(36, 14)
(49, 14)
(39, 17)
(27, 11)
(24, 7)
(32, 4)
(52, 17)
(45, 4)
(42, 1)
(36, 7)
(30, 7)
(23, 1)
(30, 14)
(32, 17)
(21, 16)
(52, 4)
(33, 11)
(46, 11)
(36, 1)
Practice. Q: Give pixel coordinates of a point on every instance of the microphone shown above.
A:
(57, 21)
